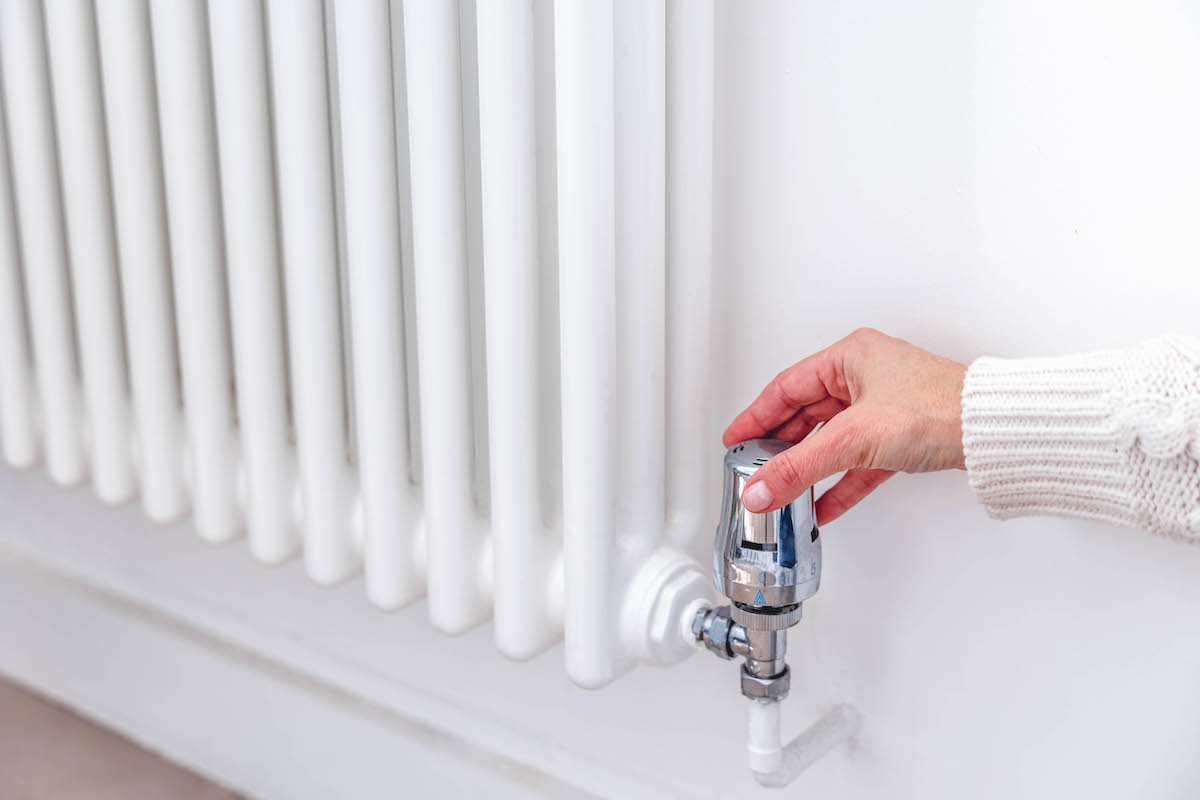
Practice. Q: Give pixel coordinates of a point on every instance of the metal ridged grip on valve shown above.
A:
(757, 621)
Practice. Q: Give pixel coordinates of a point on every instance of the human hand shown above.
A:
(887, 406)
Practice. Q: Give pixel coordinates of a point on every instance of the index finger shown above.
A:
(804, 383)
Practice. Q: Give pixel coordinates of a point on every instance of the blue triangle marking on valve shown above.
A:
(758, 598)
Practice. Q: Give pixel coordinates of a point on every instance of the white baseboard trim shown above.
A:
(262, 729)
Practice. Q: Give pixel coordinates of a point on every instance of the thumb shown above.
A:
(839, 444)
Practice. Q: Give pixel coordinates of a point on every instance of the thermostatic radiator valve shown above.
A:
(767, 565)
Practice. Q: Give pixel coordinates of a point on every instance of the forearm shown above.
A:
(1112, 435)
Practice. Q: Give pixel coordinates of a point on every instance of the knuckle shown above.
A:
(807, 418)
(834, 503)
(866, 444)
(861, 342)
(774, 389)
(855, 444)
(785, 390)
(777, 389)
(760, 419)
(787, 473)
(864, 335)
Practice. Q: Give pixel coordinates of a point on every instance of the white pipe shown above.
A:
(583, 38)
(197, 257)
(248, 188)
(455, 536)
(776, 765)
(75, 69)
(39, 212)
(689, 264)
(310, 260)
(18, 437)
(508, 171)
(764, 741)
(373, 260)
(132, 125)
(640, 92)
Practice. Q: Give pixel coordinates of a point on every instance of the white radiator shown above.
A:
(409, 288)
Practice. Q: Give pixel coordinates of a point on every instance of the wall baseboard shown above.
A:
(226, 713)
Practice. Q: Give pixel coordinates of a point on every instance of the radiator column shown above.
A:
(39, 211)
(197, 255)
(310, 259)
(459, 577)
(137, 183)
(248, 189)
(75, 69)
(583, 40)
(373, 257)
(524, 550)
(640, 98)
(691, 480)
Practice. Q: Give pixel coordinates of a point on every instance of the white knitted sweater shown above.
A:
(1112, 435)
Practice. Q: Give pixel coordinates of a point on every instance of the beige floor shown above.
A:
(50, 753)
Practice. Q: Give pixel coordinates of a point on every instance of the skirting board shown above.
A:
(191, 698)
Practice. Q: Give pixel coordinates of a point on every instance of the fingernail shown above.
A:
(757, 497)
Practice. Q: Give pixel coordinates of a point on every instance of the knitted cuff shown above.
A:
(1038, 437)
(1112, 435)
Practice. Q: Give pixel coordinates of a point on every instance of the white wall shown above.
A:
(995, 177)
(977, 177)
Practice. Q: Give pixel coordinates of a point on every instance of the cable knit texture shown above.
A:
(1112, 435)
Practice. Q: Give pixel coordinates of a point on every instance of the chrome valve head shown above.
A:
(767, 564)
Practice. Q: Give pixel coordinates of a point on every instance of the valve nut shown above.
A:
(712, 626)
(773, 688)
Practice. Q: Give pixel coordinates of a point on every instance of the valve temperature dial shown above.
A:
(767, 564)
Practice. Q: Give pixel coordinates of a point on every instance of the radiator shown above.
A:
(411, 289)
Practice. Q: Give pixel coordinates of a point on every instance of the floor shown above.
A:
(49, 753)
